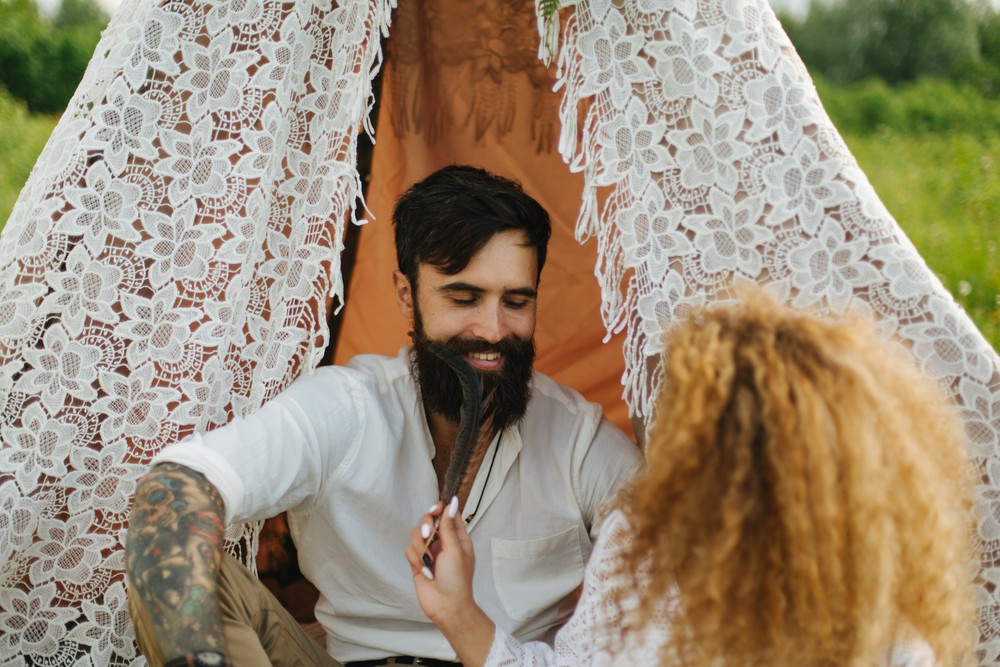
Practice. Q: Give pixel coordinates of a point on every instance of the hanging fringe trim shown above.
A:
(547, 12)
(578, 147)
(370, 61)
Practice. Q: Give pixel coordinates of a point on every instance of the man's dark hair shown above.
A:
(445, 219)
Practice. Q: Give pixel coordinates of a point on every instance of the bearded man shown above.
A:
(356, 455)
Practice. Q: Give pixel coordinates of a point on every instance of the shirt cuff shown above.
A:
(192, 454)
(502, 649)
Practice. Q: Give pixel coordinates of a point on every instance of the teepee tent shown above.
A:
(171, 260)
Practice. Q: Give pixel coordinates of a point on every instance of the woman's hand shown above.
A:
(442, 577)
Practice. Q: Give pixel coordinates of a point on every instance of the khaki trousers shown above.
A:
(259, 631)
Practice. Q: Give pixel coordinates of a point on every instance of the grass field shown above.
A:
(944, 189)
(22, 137)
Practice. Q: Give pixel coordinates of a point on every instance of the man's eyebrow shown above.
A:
(461, 287)
(527, 292)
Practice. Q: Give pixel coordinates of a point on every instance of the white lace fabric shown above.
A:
(168, 263)
(593, 637)
(166, 267)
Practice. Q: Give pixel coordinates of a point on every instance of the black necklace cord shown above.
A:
(489, 471)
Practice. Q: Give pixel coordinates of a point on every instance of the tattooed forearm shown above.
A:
(173, 555)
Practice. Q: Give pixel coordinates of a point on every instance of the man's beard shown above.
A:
(505, 391)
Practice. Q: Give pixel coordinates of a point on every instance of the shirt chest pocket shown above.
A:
(532, 575)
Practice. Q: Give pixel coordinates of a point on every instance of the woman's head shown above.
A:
(806, 489)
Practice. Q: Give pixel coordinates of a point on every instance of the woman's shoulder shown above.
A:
(910, 652)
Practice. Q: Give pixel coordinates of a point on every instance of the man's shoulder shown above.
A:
(551, 399)
(365, 368)
(383, 369)
(557, 410)
(365, 382)
(323, 379)
(365, 377)
(562, 424)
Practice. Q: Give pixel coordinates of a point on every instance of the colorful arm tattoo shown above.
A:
(172, 557)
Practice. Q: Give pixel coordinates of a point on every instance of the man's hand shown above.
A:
(443, 581)
(172, 558)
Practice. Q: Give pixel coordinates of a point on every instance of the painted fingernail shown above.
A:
(427, 573)
(427, 560)
(433, 507)
(453, 507)
(425, 530)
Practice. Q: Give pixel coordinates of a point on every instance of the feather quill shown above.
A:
(470, 419)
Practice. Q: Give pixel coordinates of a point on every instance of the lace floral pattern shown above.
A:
(167, 263)
(166, 267)
(593, 637)
(718, 165)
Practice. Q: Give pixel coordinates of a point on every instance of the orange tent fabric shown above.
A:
(570, 333)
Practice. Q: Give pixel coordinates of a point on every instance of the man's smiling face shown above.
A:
(485, 313)
(492, 298)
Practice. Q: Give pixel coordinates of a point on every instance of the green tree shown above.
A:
(986, 75)
(22, 31)
(894, 40)
(42, 61)
(79, 14)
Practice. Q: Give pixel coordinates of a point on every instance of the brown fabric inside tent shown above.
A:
(462, 84)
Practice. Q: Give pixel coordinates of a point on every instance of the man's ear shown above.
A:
(404, 294)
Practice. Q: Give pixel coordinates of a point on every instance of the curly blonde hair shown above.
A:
(806, 492)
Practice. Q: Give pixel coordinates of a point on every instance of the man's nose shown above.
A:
(490, 324)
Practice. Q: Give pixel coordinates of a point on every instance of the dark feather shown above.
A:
(470, 418)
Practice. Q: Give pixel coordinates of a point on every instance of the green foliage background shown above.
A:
(914, 86)
(22, 137)
(944, 190)
(42, 59)
(901, 40)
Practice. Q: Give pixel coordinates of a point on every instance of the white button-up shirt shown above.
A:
(347, 452)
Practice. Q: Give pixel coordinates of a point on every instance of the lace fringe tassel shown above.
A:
(578, 148)
(372, 59)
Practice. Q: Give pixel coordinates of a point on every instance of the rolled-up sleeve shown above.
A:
(279, 457)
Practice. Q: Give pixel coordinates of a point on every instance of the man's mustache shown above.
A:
(506, 390)
(505, 346)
